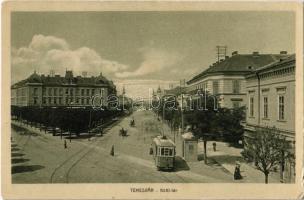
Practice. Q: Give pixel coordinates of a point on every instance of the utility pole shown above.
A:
(182, 109)
(163, 119)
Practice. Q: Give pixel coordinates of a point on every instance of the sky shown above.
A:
(141, 50)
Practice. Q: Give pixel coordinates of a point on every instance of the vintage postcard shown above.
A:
(152, 100)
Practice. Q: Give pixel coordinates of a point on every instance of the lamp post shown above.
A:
(163, 119)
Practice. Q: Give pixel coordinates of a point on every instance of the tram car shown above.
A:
(163, 153)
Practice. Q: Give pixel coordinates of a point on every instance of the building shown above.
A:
(41, 90)
(226, 79)
(271, 101)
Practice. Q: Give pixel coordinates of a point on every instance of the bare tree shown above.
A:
(268, 149)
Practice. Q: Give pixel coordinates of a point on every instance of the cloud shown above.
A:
(155, 60)
(45, 53)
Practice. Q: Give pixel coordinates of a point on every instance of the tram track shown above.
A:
(66, 161)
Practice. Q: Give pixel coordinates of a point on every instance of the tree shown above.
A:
(268, 149)
(202, 119)
(228, 124)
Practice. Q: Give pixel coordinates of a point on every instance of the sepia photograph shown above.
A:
(155, 96)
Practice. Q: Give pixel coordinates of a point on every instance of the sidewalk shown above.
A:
(227, 156)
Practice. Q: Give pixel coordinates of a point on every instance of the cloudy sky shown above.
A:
(141, 49)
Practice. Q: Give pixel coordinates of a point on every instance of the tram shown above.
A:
(163, 153)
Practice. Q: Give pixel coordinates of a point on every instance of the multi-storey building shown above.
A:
(226, 78)
(271, 101)
(41, 90)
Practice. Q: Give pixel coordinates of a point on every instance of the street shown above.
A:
(41, 158)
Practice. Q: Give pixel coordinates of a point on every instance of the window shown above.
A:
(60, 91)
(93, 92)
(35, 91)
(236, 86)
(88, 100)
(35, 100)
(44, 100)
(43, 91)
(66, 101)
(265, 106)
(165, 151)
(55, 91)
(50, 100)
(60, 100)
(215, 87)
(77, 91)
(88, 92)
(82, 101)
(82, 92)
(66, 91)
(55, 100)
(50, 91)
(281, 108)
(162, 151)
(71, 91)
(251, 106)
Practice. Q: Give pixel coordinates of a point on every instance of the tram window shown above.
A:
(162, 151)
(166, 153)
(170, 152)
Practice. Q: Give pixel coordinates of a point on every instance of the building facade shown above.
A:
(41, 90)
(271, 102)
(226, 79)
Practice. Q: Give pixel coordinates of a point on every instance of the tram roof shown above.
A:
(160, 141)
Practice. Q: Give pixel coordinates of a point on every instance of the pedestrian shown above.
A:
(65, 144)
(237, 172)
(112, 151)
(214, 146)
(151, 150)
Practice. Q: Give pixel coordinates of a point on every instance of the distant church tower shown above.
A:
(123, 90)
(159, 92)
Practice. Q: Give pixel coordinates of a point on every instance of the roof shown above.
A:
(289, 59)
(281, 63)
(159, 141)
(239, 64)
(188, 136)
(68, 79)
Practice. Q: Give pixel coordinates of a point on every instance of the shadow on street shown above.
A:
(29, 168)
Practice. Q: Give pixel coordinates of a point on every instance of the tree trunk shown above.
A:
(205, 151)
(266, 178)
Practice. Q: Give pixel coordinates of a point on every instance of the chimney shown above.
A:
(255, 53)
(283, 52)
(234, 53)
(226, 57)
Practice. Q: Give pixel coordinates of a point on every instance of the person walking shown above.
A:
(237, 172)
(112, 151)
(65, 144)
(214, 146)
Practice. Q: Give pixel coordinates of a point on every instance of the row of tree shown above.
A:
(206, 121)
(76, 120)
